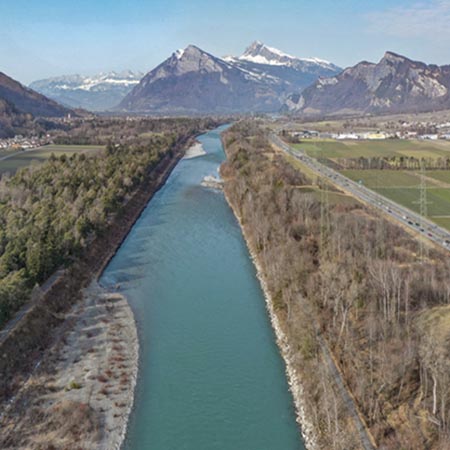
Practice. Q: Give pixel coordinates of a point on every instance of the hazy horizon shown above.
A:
(56, 38)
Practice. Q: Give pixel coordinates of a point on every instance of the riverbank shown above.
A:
(81, 394)
(295, 385)
(28, 337)
(331, 290)
(209, 363)
(50, 357)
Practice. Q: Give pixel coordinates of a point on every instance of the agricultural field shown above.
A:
(403, 187)
(390, 122)
(442, 177)
(332, 149)
(18, 160)
(6, 152)
(314, 189)
(376, 179)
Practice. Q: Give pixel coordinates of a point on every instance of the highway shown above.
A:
(420, 225)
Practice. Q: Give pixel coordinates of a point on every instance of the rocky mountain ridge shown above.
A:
(394, 84)
(192, 81)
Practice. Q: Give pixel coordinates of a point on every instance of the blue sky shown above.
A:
(49, 37)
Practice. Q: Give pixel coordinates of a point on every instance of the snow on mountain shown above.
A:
(260, 53)
(192, 81)
(95, 92)
(179, 53)
(258, 80)
(87, 83)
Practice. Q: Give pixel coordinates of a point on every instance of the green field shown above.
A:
(442, 176)
(375, 179)
(400, 186)
(403, 188)
(333, 197)
(7, 152)
(330, 149)
(23, 159)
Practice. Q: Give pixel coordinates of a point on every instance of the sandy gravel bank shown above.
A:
(194, 151)
(81, 392)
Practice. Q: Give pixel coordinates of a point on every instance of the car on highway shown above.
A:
(400, 213)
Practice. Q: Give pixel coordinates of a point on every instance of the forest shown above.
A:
(343, 277)
(51, 212)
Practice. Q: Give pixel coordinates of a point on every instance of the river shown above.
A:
(210, 375)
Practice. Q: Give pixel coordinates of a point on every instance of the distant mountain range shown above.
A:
(395, 85)
(192, 81)
(19, 104)
(263, 79)
(95, 93)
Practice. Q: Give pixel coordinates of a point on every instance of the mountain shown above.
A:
(396, 84)
(193, 81)
(19, 104)
(260, 54)
(10, 119)
(26, 100)
(95, 93)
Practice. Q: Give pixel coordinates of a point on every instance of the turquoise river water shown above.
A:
(210, 375)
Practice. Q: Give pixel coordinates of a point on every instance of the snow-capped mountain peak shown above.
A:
(260, 53)
(195, 81)
(191, 79)
(90, 82)
(179, 53)
(94, 92)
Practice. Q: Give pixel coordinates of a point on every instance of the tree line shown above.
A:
(393, 163)
(360, 285)
(51, 212)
